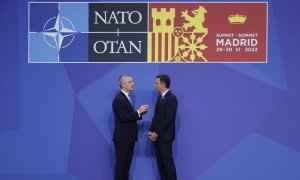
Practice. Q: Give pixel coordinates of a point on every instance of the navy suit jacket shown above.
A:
(125, 119)
(163, 122)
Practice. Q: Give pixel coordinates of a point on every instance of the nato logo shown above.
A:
(56, 35)
(87, 32)
(58, 32)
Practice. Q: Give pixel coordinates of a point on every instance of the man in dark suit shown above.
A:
(125, 132)
(162, 129)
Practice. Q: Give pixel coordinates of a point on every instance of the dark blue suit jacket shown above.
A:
(163, 122)
(125, 119)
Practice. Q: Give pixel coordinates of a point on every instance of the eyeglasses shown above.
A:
(129, 82)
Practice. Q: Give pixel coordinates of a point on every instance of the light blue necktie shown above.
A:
(130, 100)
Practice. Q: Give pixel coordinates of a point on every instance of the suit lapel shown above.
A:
(126, 100)
(157, 102)
(161, 100)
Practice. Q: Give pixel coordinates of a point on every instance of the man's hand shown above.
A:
(152, 136)
(143, 109)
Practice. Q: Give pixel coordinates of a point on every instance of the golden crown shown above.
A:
(237, 19)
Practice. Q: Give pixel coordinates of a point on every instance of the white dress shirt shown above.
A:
(164, 93)
(127, 95)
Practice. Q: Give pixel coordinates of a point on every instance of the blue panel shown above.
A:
(40, 51)
(77, 13)
(9, 68)
(256, 157)
(41, 145)
(80, 43)
(37, 19)
(38, 177)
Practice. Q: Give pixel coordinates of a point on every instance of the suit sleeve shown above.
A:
(119, 107)
(169, 118)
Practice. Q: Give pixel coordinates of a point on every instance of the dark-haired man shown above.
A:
(162, 129)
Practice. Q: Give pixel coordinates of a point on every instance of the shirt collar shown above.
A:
(164, 93)
(127, 94)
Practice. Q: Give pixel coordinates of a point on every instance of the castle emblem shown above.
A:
(184, 43)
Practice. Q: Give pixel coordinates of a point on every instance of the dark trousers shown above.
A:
(124, 153)
(165, 162)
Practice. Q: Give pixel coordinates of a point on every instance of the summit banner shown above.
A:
(147, 32)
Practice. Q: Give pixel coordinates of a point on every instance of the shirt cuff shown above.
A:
(138, 113)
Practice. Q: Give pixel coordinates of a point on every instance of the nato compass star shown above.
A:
(59, 32)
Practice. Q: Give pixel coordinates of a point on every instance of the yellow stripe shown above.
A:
(163, 47)
(156, 47)
(169, 46)
(150, 47)
(176, 46)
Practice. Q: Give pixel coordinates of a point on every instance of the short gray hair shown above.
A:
(121, 78)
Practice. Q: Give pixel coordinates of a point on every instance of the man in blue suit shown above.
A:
(162, 129)
(125, 132)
